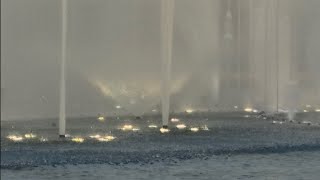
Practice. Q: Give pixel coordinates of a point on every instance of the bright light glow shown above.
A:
(189, 110)
(194, 129)
(152, 126)
(95, 136)
(15, 138)
(118, 107)
(42, 139)
(248, 109)
(255, 111)
(306, 122)
(107, 138)
(181, 126)
(277, 122)
(30, 136)
(67, 135)
(77, 140)
(154, 110)
(205, 128)
(174, 120)
(305, 111)
(135, 129)
(164, 130)
(317, 110)
(101, 118)
(236, 107)
(127, 127)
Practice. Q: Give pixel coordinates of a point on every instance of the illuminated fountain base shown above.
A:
(104, 142)
(164, 129)
(197, 123)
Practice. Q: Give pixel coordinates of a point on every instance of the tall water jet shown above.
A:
(62, 115)
(239, 46)
(271, 55)
(215, 79)
(266, 38)
(167, 12)
(2, 102)
(277, 52)
(227, 65)
(251, 51)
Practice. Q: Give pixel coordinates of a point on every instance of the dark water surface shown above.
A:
(235, 147)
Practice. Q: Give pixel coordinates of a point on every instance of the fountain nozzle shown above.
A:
(165, 127)
(62, 136)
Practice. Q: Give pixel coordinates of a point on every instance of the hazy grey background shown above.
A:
(114, 54)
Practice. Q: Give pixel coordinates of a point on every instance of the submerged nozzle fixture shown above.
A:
(62, 136)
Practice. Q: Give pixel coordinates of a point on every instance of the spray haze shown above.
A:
(114, 56)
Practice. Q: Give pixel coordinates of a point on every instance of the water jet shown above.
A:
(167, 12)
(62, 116)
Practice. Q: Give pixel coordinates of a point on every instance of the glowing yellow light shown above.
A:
(127, 127)
(152, 126)
(164, 130)
(194, 129)
(174, 120)
(110, 137)
(189, 110)
(15, 138)
(248, 109)
(77, 140)
(205, 128)
(30, 136)
(101, 118)
(95, 136)
(317, 110)
(181, 126)
(107, 138)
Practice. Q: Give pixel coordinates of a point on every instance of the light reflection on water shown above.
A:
(43, 131)
(229, 137)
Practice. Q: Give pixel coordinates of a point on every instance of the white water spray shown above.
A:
(62, 115)
(292, 99)
(167, 12)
